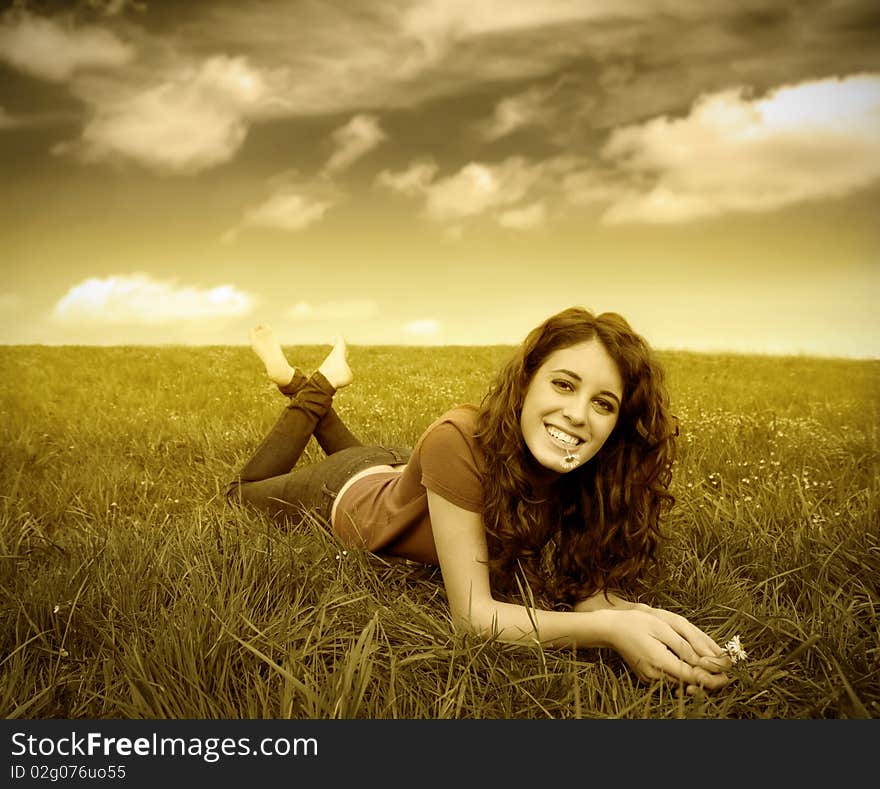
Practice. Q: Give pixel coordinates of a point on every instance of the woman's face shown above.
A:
(571, 406)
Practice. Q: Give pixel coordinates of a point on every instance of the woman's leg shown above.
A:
(330, 431)
(284, 444)
(269, 480)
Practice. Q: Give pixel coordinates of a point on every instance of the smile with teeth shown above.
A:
(566, 440)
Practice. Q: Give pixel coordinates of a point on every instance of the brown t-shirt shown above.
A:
(387, 512)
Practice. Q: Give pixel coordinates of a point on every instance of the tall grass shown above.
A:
(129, 590)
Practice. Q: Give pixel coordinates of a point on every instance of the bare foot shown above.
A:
(335, 367)
(267, 347)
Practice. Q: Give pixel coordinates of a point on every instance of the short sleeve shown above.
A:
(449, 466)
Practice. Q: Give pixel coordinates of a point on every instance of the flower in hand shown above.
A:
(735, 651)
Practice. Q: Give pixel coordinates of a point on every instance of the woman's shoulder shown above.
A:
(459, 424)
(463, 415)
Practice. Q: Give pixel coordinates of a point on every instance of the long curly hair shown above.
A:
(596, 528)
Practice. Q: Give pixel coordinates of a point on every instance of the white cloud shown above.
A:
(358, 137)
(287, 210)
(584, 186)
(52, 49)
(422, 327)
(525, 218)
(734, 153)
(515, 112)
(116, 7)
(468, 18)
(141, 299)
(292, 206)
(333, 310)
(193, 119)
(477, 188)
(411, 182)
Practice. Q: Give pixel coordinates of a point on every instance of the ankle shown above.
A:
(323, 382)
(297, 379)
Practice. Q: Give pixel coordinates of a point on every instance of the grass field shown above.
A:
(128, 589)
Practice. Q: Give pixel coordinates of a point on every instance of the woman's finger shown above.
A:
(716, 664)
(693, 675)
(700, 641)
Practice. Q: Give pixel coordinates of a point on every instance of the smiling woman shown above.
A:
(541, 505)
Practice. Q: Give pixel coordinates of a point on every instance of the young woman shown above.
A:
(540, 505)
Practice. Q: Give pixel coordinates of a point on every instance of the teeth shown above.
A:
(559, 435)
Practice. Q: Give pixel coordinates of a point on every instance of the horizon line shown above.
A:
(802, 354)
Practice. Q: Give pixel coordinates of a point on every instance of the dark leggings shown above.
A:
(269, 481)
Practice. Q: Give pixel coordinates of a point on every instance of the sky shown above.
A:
(441, 172)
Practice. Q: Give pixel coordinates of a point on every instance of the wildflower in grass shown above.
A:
(735, 650)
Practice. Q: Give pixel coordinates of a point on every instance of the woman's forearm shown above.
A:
(518, 624)
(606, 600)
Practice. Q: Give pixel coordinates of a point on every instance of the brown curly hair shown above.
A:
(597, 527)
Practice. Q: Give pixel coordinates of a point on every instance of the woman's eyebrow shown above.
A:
(568, 372)
(579, 379)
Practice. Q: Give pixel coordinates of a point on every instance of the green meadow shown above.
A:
(128, 589)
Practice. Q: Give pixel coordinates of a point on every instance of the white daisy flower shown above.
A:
(735, 650)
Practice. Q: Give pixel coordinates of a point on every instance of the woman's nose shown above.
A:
(575, 412)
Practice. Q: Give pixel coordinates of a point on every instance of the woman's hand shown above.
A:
(657, 643)
(712, 657)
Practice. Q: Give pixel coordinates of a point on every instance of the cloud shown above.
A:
(526, 218)
(292, 206)
(802, 142)
(333, 310)
(480, 189)
(287, 210)
(465, 18)
(588, 185)
(192, 119)
(475, 189)
(423, 328)
(411, 182)
(339, 57)
(141, 299)
(116, 7)
(53, 50)
(358, 137)
(515, 112)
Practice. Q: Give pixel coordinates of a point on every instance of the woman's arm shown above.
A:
(651, 646)
(604, 600)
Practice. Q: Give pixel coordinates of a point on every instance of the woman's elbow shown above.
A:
(477, 620)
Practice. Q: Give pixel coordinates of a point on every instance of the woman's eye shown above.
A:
(565, 386)
(604, 405)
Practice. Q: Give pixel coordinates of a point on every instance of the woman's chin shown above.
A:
(552, 462)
